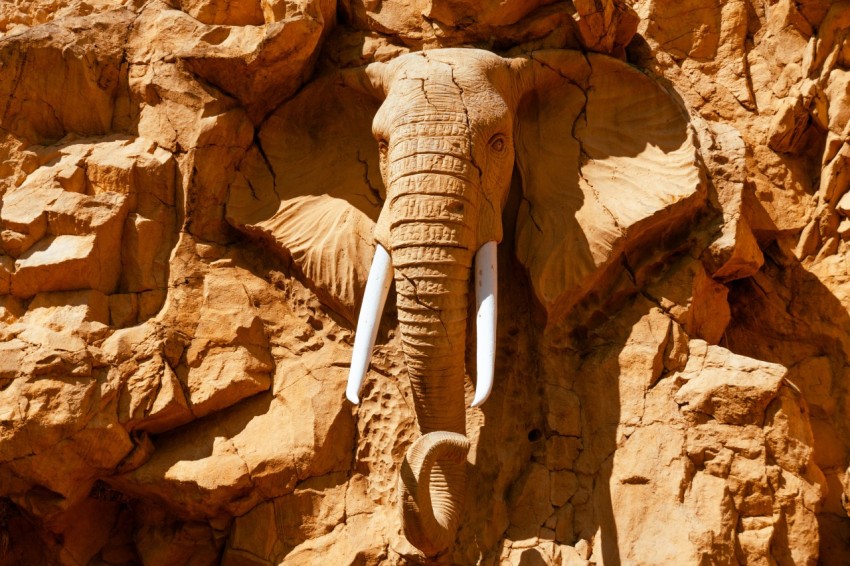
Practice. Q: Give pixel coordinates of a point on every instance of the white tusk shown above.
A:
(377, 288)
(486, 277)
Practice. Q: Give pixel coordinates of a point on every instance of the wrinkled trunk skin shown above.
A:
(433, 198)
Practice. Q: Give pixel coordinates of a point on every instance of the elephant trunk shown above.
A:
(432, 482)
(433, 208)
(432, 310)
(427, 239)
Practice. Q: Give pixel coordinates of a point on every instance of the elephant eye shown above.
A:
(383, 147)
(498, 143)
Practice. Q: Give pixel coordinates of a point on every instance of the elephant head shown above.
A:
(607, 163)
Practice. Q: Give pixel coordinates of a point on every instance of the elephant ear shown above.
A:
(607, 161)
(311, 187)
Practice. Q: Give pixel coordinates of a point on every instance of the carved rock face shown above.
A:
(584, 130)
(190, 197)
(95, 216)
(446, 135)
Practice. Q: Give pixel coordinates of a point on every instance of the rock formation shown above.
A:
(192, 191)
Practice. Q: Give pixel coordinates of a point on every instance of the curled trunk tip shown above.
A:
(430, 523)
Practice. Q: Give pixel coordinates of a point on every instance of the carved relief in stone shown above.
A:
(603, 154)
(579, 264)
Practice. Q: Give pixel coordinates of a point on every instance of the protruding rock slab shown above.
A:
(729, 388)
(232, 461)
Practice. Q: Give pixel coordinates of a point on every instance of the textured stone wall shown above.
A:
(189, 190)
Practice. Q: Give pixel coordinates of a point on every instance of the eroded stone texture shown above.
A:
(190, 193)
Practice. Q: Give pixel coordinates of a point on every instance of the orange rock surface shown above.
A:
(191, 192)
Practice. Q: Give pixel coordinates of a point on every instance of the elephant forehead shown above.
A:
(457, 70)
(441, 99)
(462, 80)
(419, 68)
(471, 56)
(445, 85)
(475, 60)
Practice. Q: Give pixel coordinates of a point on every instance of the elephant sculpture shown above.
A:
(410, 162)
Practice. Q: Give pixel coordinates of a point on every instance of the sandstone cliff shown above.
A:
(189, 194)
